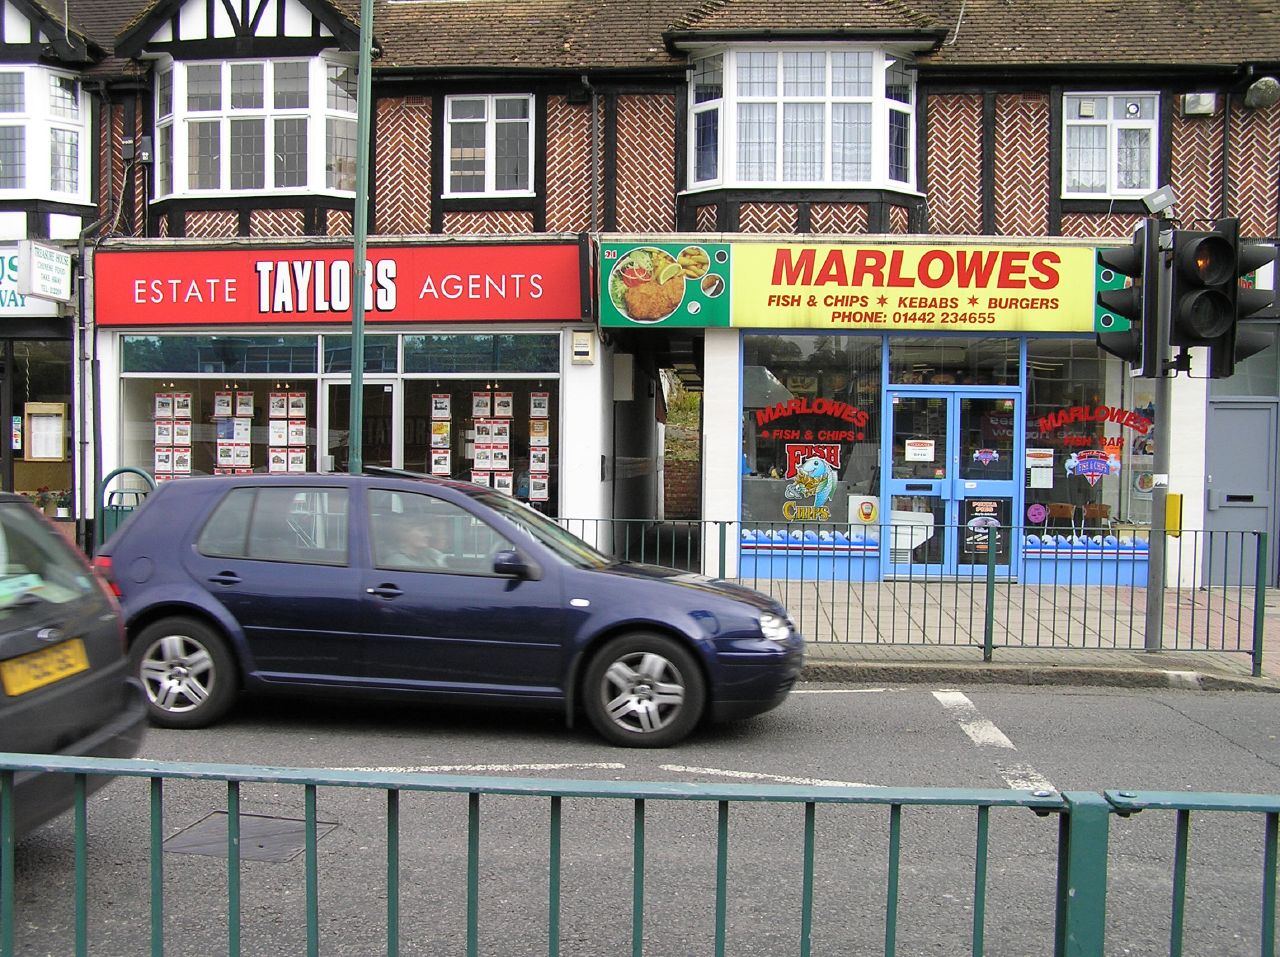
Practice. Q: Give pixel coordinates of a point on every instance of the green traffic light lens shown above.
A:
(1206, 315)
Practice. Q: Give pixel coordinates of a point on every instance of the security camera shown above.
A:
(1160, 200)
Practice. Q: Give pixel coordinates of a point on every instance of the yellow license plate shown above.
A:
(44, 667)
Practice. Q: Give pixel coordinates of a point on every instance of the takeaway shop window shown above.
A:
(948, 360)
(807, 398)
(284, 355)
(510, 352)
(1089, 444)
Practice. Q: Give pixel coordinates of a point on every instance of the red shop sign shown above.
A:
(496, 283)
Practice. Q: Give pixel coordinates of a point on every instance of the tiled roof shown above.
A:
(731, 16)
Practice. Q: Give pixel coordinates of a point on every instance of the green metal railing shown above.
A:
(1062, 894)
(1082, 591)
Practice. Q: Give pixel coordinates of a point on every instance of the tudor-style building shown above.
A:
(757, 132)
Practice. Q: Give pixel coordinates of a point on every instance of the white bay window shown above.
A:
(255, 126)
(44, 136)
(801, 117)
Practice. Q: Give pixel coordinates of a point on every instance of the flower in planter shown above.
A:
(63, 499)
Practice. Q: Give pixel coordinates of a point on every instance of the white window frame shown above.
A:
(727, 104)
(490, 138)
(1113, 127)
(317, 113)
(37, 118)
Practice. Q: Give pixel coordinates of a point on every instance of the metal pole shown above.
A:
(1162, 437)
(360, 226)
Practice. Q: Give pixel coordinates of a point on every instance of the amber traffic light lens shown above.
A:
(1214, 260)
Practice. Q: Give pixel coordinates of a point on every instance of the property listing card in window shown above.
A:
(440, 463)
(480, 478)
(181, 461)
(441, 404)
(181, 431)
(484, 457)
(182, 405)
(164, 431)
(501, 457)
(539, 460)
(501, 432)
(539, 432)
(278, 405)
(241, 429)
(439, 435)
(297, 432)
(164, 405)
(244, 404)
(222, 404)
(481, 406)
(278, 432)
(278, 460)
(503, 482)
(503, 405)
(539, 405)
(226, 455)
(297, 460)
(297, 405)
(539, 487)
(242, 456)
(164, 459)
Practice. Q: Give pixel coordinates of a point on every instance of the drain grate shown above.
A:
(262, 837)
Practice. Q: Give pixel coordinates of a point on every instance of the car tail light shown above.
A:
(102, 565)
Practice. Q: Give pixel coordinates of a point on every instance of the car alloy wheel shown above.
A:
(186, 670)
(644, 691)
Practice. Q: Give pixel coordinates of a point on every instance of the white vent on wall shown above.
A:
(1199, 104)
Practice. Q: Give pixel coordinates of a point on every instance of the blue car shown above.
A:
(392, 584)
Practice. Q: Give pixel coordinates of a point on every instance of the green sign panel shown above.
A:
(1104, 320)
(664, 284)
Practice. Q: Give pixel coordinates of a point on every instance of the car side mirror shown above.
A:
(508, 562)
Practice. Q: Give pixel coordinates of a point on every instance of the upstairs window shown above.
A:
(488, 145)
(1109, 145)
(801, 117)
(43, 134)
(255, 126)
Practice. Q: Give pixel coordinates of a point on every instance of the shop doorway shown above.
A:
(952, 475)
(381, 436)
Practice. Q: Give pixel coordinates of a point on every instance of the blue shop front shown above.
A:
(933, 409)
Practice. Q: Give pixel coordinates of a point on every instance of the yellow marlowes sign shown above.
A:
(940, 288)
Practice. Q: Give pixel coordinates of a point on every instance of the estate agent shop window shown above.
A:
(480, 408)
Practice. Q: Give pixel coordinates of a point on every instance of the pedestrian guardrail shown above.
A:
(850, 869)
(1002, 587)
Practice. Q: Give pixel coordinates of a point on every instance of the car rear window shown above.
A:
(36, 565)
(282, 524)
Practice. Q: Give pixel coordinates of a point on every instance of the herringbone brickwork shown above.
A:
(488, 223)
(163, 227)
(1099, 224)
(1022, 165)
(212, 223)
(767, 217)
(838, 218)
(899, 219)
(569, 166)
(646, 188)
(705, 218)
(1255, 170)
(403, 175)
(276, 222)
(1197, 167)
(954, 164)
(338, 222)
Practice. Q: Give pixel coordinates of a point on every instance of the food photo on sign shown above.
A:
(672, 283)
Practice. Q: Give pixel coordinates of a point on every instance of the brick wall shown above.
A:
(682, 496)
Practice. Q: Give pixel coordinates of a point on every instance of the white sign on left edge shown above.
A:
(44, 271)
(13, 302)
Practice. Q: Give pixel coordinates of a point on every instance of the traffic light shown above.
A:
(1206, 298)
(1137, 301)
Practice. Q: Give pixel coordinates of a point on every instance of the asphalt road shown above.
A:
(916, 736)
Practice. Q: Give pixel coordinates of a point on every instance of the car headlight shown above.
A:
(774, 627)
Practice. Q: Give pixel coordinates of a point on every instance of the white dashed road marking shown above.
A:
(491, 768)
(839, 690)
(761, 776)
(983, 733)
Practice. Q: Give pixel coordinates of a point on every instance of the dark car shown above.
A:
(397, 585)
(63, 668)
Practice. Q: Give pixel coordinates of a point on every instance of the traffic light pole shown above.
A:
(1162, 438)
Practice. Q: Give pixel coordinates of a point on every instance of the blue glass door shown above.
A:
(952, 476)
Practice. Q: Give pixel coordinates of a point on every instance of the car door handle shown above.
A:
(385, 591)
(225, 578)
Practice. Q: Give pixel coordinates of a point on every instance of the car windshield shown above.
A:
(561, 541)
(35, 568)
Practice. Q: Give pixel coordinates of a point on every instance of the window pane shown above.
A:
(64, 97)
(467, 109)
(300, 525)
(164, 94)
(248, 154)
(511, 108)
(899, 145)
(225, 534)
(804, 74)
(379, 353)
(757, 141)
(897, 83)
(13, 157)
(511, 162)
(246, 86)
(486, 354)
(851, 142)
(707, 145)
(466, 157)
(1085, 159)
(291, 86)
(757, 74)
(204, 87)
(341, 88)
(219, 354)
(164, 160)
(1084, 107)
(340, 153)
(1134, 159)
(1134, 108)
(708, 79)
(803, 142)
(851, 74)
(64, 156)
(290, 151)
(12, 97)
(204, 148)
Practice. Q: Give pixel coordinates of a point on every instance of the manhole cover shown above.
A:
(262, 838)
